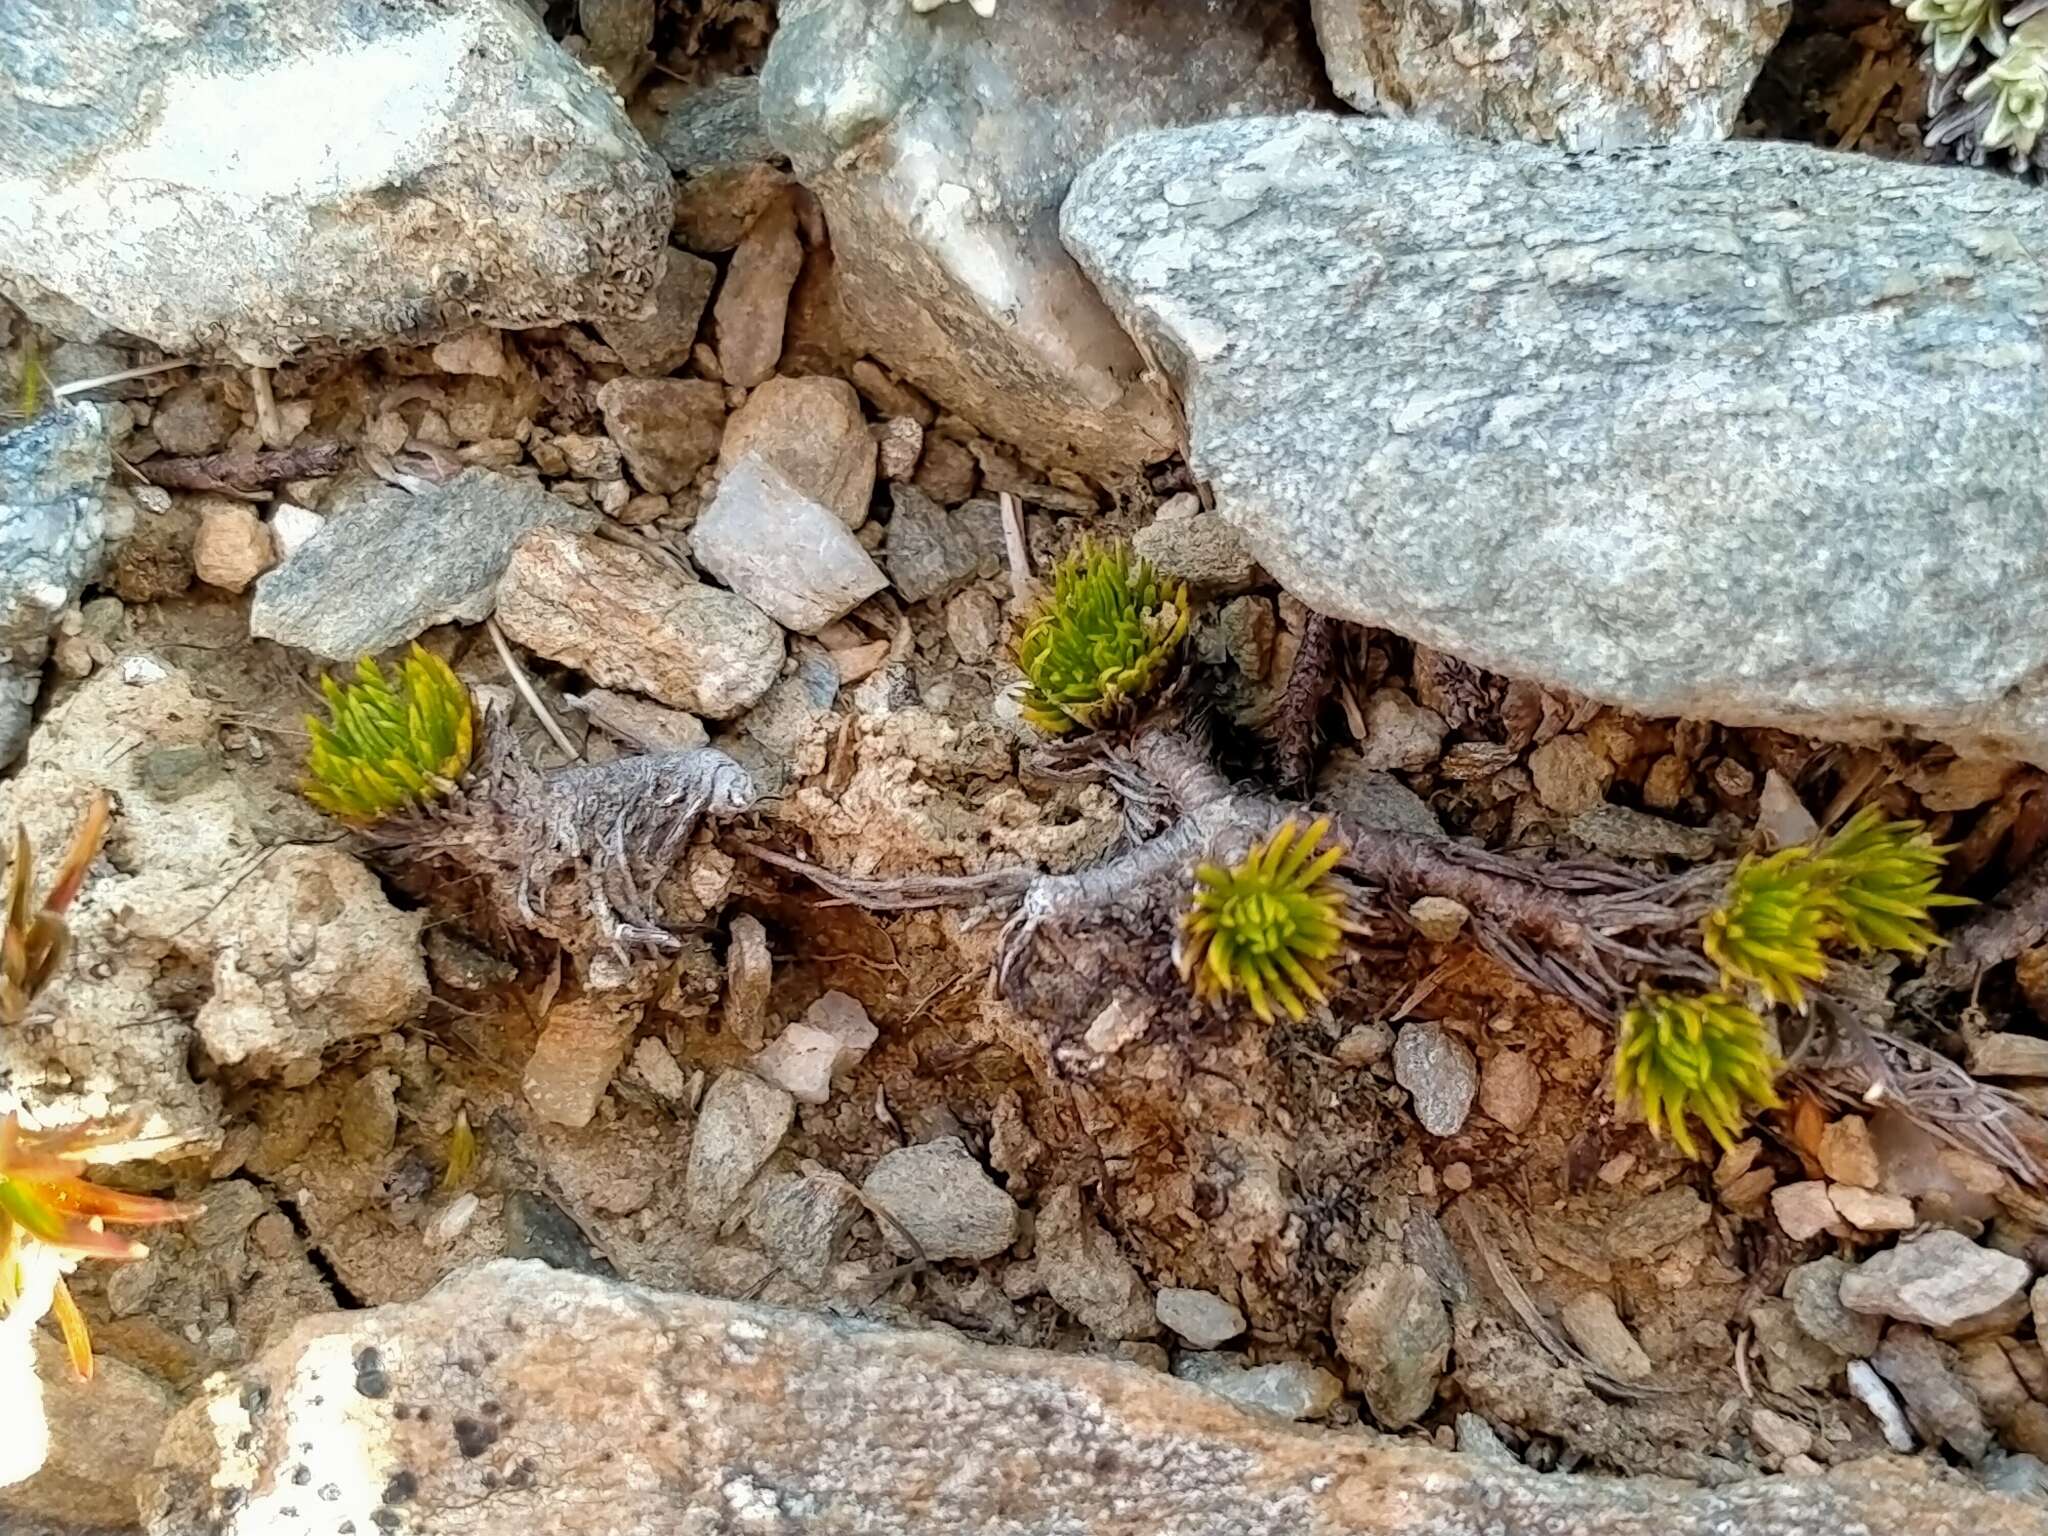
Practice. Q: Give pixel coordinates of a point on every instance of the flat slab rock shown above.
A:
(1587, 74)
(469, 1413)
(1747, 432)
(197, 173)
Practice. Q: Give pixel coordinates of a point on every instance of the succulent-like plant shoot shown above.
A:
(1948, 27)
(1771, 925)
(46, 1201)
(1884, 877)
(1101, 641)
(2016, 86)
(390, 743)
(1706, 1057)
(1269, 926)
(33, 938)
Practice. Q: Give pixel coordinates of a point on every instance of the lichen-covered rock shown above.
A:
(387, 565)
(1587, 74)
(53, 490)
(254, 181)
(940, 148)
(1744, 432)
(281, 949)
(736, 1417)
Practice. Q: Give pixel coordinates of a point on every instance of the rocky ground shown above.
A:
(716, 418)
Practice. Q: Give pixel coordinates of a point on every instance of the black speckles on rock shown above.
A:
(403, 1485)
(385, 1519)
(473, 1437)
(371, 1381)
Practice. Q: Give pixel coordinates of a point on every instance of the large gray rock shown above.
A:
(210, 175)
(940, 146)
(1588, 74)
(1748, 432)
(514, 1398)
(388, 564)
(53, 514)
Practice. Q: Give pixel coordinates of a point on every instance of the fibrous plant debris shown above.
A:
(577, 855)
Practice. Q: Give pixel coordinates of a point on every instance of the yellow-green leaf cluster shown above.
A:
(1104, 638)
(1873, 885)
(390, 742)
(1773, 924)
(1707, 1057)
(1887, 877)
(1269, 926)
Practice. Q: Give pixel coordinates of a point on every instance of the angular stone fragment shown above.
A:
(739, 1125)
(1939, 1279)
(746, 1414)
(387, 565)
(1436, 1068)
(1391, 1325)
(1587, 74)
(812, 431)
(1202, 1318)
(944, 1206)
(940, 153)
(658, 340)
(1604, 426)
(629, 623)
(668, 429)
(753, 302)
(581, 1045)
(211, 176)
(932, 551)
(789, 555)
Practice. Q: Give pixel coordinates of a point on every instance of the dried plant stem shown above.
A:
(1023, 590)
(244, 474)
(526, 691)
(1301, 703)
(80, 386)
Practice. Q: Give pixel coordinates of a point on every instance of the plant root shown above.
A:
(1586, 931)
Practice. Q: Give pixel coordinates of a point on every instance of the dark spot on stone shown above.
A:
(401, 1413)
(467, 1366)
(245, 1439)
(507, 1420)
(371, 1380)
(290, 1512)
(537, 1228)
(473, 1438)
(521, 1476)
(346, 1528)
(490, 1357)
(403, 1485)
(233, 1500)
(302, 1475)
(424, 1415)
(490, 1480)
(1107, 1462)
(491, 1408)
(329, 1492)
(384, 1519)
(255, 1398)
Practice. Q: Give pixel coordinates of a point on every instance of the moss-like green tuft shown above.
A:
(1772, 924)
(390, 743)
(1884, 881)
(1104, 638)
(1269, 926)
(1706, 1057)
